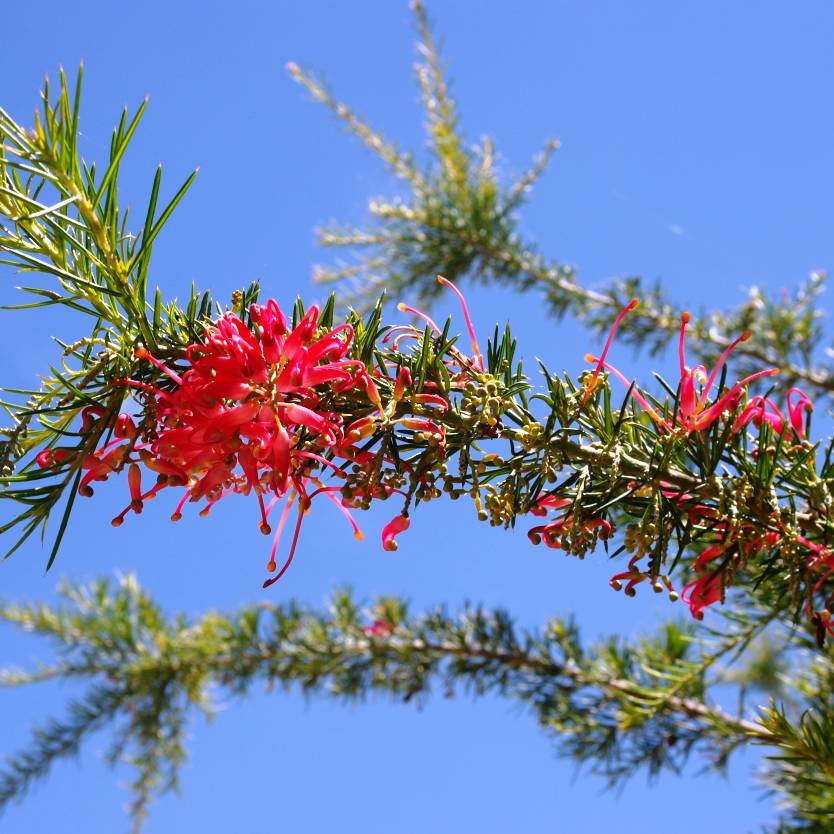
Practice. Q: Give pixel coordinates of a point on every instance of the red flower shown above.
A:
(549, 502)
(584, 530)
(244, 417)
(694, 411)
(634, 576)
(821, 561)
(795, 409)
(763, 410)
(379, 628)
(710, 585)
(398, 524)
(760, 410)
(701, 593)
(54, 457)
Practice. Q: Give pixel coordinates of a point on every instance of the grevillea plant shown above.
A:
(710, 488)
(288, 410)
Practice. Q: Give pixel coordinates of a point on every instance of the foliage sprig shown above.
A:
(618, 708)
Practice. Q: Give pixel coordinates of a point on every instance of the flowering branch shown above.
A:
(290, 409)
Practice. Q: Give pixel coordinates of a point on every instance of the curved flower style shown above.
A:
(398, 524)
(763, 410)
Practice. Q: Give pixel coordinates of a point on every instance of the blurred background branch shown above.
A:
(617, 707)
(458, 219)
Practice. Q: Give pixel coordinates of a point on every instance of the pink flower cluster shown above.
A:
(694, 411)
(253, 413)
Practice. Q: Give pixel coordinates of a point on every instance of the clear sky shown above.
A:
(696, 147)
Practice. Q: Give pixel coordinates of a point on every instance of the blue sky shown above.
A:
(696, 148)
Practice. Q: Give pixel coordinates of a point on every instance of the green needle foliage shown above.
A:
(616, 707)
(63, 221)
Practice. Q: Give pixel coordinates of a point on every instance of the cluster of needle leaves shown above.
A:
(60, 219)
